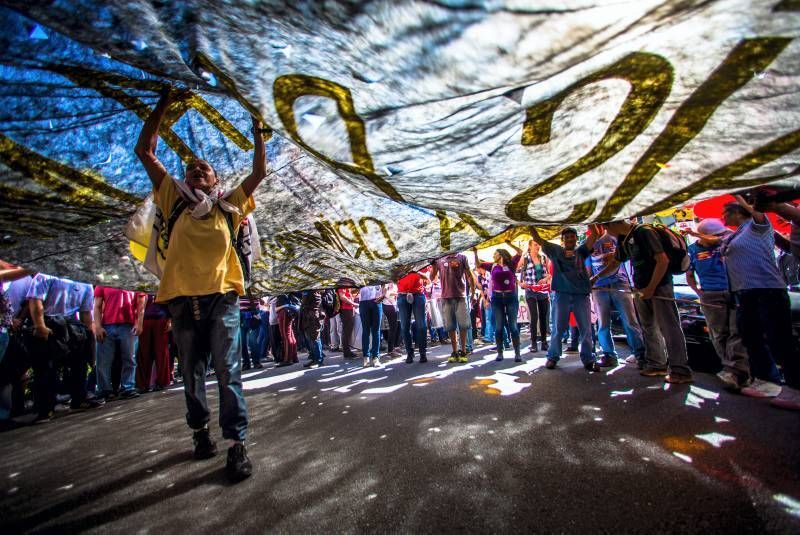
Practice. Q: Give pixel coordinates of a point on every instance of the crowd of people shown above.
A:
(85, 346)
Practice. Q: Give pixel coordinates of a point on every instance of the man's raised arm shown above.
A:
(148, 138)
(260, 134)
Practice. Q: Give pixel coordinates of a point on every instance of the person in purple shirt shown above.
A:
(505, 300)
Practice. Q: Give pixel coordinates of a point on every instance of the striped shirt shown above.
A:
(750, 257)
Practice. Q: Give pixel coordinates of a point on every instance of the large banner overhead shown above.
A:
(403, 129)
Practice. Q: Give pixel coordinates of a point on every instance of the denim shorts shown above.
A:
(454, 313)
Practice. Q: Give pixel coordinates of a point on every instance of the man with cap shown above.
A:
(717, 303)
(571, 288)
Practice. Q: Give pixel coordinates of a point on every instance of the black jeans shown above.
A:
(539, 308)
(763, 317)
(68, 348)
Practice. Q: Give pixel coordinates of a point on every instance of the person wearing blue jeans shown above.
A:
(371, 311)
(250, 323)
(416, 308)
(613, 290)
(505, 300)
(203, 277)
(208, 326)
(571, 288)
(118, 322)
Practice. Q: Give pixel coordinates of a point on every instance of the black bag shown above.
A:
(331, 305)
(675, 247)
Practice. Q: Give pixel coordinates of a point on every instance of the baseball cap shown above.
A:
(711, 226)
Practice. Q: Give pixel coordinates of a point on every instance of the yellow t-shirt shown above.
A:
(200, 259)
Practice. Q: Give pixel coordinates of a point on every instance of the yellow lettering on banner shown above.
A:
(393, 253)
(748, 57)
(650, 77)
(109, 85)
(725, 177)
(447, 228)
(288, 88)
(355, 237)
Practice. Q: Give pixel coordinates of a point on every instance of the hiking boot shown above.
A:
(453, 357)
(423, 359)
(550, 364)
(592, 367)
(608, 361)
(462, 357)
(204, 447)
(761, 389)
(730, 381)
(677, 379)
(653, 372)
(789, 399)
(238, 466)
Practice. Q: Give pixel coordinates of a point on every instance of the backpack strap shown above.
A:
(239, 254)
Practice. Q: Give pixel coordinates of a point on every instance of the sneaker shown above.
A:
(517, 358)
(238, 466)
(550, 364)
(499, 357)
(366, 362)
(761, 389)
(311, 364)
(258, 365)
(44, 417)
(410, 359)
(129, 394)
(204, 447)
(86, 404)
(789, 399)
(246, 367)
(462, 357)
(423, 359)
(336, 349)
(676, 379)
(730, 381)
(653, 372)
(375, 363)
(592, 367)
(631, 359)
(453, 357)
(608, 361)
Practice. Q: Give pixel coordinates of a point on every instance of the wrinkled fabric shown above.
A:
(403, 130)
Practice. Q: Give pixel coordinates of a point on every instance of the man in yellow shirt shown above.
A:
(202, 281)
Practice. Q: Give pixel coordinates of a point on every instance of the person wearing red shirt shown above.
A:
(347, 314)
(411, 299)
(118, 318)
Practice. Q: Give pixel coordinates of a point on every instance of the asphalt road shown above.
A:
(420, 448)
